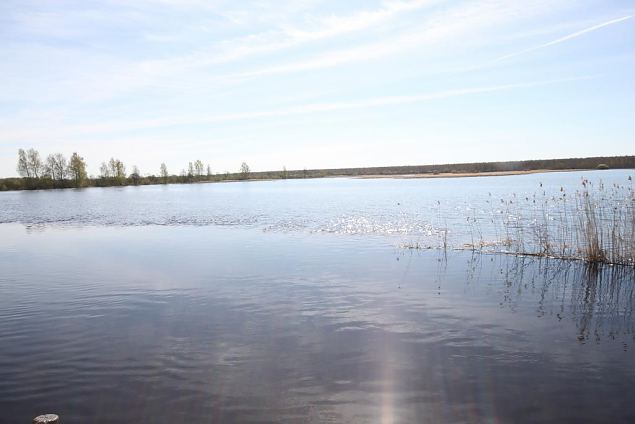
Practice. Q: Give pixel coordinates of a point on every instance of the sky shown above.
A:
(315, 83)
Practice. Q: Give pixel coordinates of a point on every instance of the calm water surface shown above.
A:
(412, 208)
(291, 301)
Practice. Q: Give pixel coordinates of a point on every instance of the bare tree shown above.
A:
(244, 171)
(117, 170)
(104, 170)
(56, 167)
(190, 170)
(112, 167)
(23, 164)
(164, 173)
(77, 169)
(34, 163)
(209, 171)
(199, 168)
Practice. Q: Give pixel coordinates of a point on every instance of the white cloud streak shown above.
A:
(120, 76)
(563, 39)
(441, 27)
(113, 127)
(336, 25)
(289, 37)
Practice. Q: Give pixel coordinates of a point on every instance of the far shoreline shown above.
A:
(472, 174)
(415, 176)
(455, 170)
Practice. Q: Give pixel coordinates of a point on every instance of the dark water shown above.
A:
(118, 322)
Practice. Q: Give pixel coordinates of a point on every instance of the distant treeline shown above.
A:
(600, 162)
(56, 171)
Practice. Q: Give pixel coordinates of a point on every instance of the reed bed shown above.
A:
(595, 223)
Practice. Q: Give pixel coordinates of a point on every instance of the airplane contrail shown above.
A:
(565, 38)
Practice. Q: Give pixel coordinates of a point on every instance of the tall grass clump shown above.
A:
(605, 227)
(596, 224)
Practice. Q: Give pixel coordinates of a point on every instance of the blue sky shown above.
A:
(315, 83)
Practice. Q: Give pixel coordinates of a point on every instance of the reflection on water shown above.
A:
(191, 324)
(599, 299)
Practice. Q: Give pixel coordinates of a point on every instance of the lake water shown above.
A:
(291, 301)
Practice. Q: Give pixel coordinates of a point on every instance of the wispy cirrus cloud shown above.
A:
(119, 76)
(333, 25)
(567, 37)
(287, 36)
(444, 24)
(377, 102)
(94, 72)
(439, 29)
